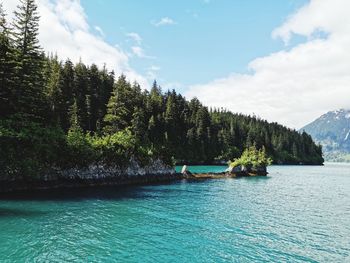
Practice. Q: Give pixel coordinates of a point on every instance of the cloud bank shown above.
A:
(293, 86)
(64, 30)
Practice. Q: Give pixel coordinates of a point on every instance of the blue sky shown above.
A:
(208, 40)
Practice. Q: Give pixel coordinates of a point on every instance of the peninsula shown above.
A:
(63, 122)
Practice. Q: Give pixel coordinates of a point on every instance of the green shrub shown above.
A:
(28, 149)
(80, 151)
(252, 157)
(115, 149)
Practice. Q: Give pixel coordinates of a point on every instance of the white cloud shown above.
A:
(139, 52)
(64, 29)
(100, 31)
(163, 21)
(134, 36)
(321, 15)
(293, 86)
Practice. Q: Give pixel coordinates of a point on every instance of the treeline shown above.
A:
(60, 114)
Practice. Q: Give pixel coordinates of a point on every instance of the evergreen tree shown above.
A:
(7, 68)
(95, 85)
(29, 95)
(74, 117)
(66, 84)
(107, 85)
(118, 113)
(81, 95)
(54, 91)
(138, 125)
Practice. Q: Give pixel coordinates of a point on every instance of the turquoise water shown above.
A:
(204, 168)
(296, 214)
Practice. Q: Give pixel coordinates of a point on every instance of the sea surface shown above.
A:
(295, 214)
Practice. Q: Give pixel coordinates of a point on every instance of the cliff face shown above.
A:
(96, 172)
(92, 175)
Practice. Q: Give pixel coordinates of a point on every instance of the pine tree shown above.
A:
(54, 90)
(7, 68)
(171, 116)
(138, 125)
(81, 94)
(107, 85)
(118, 115)
(66, 86)
(95, 87)
(74, 118)
(155, 101)
(30, 99)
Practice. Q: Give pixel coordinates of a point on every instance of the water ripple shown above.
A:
(297, 214)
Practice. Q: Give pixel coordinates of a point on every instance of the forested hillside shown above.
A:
(59, 114)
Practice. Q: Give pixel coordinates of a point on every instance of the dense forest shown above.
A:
(59, 114)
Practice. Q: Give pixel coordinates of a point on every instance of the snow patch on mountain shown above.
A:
(347, 135)
(332, 131)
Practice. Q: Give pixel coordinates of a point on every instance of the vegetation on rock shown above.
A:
(251, 157)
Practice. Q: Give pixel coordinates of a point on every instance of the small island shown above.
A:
(253, 162)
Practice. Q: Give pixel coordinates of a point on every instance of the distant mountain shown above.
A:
(332, 131)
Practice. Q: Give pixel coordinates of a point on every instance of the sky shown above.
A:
(284, 61)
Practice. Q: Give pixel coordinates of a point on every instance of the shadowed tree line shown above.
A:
(59, 114)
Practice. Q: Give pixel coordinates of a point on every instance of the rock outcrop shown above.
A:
(185, 172)
(97, 174)
(247, 170)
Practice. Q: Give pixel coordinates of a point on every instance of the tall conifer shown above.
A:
(30, 98)
(7, 67)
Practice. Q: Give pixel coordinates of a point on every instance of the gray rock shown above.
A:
(184, 169)
(102, 171)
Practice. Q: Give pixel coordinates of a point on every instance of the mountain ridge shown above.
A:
(332, 131)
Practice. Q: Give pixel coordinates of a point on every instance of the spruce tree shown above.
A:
(82, 95)
(73, 117)
(66, 86)
(118, 115)
(95, 86)
(30, 98)
(138, 125)
(7, 68)
(107, 85)
(54, 91)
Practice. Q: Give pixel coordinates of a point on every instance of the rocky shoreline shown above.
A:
(94, 175)
(100, 175)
